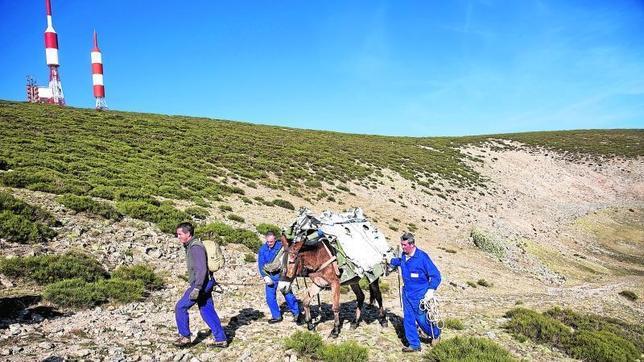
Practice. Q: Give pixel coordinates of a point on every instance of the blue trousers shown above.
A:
(413, 316)
(271, 300)
(206, 308)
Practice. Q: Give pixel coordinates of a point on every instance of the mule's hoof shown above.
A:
(384, 323)
(334, 333)
(310, 326)
(354, 325)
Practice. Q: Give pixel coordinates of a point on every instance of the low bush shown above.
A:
(587, 337)
(141, 272)
(468, 349)
(250, 258)
(628, 295)
(74, 293)
(539, 328)
(488, 243)
(45, 269)
(19, 229)
(601, 346)
(77, 293)
(453, 323)
(225, 208)
(162, 214)
(484, 283)
(197, 213)
(24, 223)
(349, 351)
(306, 344)
(283, 203)
(235, 217)
(89, 205)
(262, 229)
(225, 234)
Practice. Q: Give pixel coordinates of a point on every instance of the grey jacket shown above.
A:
(197, 263)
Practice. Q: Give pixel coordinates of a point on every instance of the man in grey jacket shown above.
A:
(199, 292)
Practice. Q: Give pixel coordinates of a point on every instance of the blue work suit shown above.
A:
(199, 278)
(419, 274)
(266, 255)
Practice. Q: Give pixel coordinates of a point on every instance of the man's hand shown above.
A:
(194, 294)
(268, 280)
(429, 295)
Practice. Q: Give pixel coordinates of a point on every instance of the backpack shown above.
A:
(214, 254)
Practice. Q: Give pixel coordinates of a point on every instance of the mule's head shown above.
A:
(292, 259)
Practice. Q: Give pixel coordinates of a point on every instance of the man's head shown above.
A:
(270, 238)
(185, 231)
(408, 243)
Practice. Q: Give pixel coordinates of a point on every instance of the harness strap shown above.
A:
(332, 260)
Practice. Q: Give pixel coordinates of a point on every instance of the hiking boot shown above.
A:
(299, 320)
(216, 344)
(410, 349)
(182, 342)
(275, 320)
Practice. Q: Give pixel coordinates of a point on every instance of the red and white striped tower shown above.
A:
(97, 76)
(51, 52)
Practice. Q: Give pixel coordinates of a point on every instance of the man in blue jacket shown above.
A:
(267, 254)
(199, 292)
(421, 278)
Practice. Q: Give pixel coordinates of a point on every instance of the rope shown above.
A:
(432, 312)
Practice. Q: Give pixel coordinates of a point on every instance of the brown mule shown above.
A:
(321, 267)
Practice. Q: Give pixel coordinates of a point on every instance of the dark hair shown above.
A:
(270, 233)
(186, 227)
(408, 237)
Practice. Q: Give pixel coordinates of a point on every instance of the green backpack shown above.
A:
(214, 254)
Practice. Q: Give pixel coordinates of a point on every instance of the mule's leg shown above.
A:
(335, 291)
(374, 292)
(360, 299)
(311, 292)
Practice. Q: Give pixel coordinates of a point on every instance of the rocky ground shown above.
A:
(566, 226)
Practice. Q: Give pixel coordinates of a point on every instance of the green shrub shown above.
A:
(601, 346)
(225, 208)
(283, 203)
(120, 290)
(488, 243)
(196, 212)
(24, 223)
(349, 351)
(74, 293)
(250, 258)
(162, 214)
(225, 234)
(630, 295)
(87, 204)
(471, 284)
(142, 272)
(262, 229)
(453, 323)
(304, 343)
(468, 349)
(77, 293)
(236, 218)
(484, 283)
(19, 229)
(542, 329)
(45, 269)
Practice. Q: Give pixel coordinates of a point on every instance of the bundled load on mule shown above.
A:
(359, 245)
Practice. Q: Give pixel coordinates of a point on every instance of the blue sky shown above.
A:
(416, 68)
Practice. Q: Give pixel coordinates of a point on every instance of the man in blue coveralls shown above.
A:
(267, 254)
(421, 278)
(199, 292)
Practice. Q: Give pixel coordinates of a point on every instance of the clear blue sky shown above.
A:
(418, 68)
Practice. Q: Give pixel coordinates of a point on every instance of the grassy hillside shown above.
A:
(133, 157)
